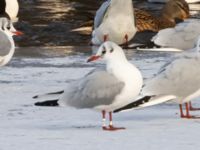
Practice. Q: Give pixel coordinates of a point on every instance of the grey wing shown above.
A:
(170, 62)
(101, 13)
(5, 44)
(97, 88)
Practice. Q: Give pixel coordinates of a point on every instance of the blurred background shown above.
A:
(50, 22)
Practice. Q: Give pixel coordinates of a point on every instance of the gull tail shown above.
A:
(146, 101)
(52, 96)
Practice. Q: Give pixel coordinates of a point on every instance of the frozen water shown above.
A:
(27, 127)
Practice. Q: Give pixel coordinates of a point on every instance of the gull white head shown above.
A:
(109, 51)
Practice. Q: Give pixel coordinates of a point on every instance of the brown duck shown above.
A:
(172, 11)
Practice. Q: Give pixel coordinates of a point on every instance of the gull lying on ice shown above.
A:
(182, 36)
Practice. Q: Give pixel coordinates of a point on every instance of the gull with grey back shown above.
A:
(105, 90)
(180, 79)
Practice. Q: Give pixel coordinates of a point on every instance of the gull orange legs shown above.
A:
(110, 127)
(187, 115)
(126, 40)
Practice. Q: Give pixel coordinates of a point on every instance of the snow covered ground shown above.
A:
(24, 126)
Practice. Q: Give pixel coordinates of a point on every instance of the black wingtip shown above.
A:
(134, 104)
(47, 103)
(34, 97)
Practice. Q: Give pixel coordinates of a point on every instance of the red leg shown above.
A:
(181, 111)
(111, 127)
(187, 110)
(110, 118)
(104, 119)
(126, 40)
(192, 108)
(105, 37)
(188, 116)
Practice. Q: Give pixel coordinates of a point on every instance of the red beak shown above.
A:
(18, 33)
(93, 58)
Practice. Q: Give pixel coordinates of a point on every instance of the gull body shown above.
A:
(182, 36)
(178, 78)
(105, 90)
(114, 23)
(7, 46)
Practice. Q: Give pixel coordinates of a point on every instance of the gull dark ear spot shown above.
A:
(103, 52)
(111, 50)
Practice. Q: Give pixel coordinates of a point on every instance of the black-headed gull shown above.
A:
(9, 8)
(114, 21)
(7, 46)
(179, 78)
(182, 36)
(104, 90)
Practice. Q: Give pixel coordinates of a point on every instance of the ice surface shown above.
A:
(24, 126)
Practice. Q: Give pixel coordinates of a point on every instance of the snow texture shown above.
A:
(27, 127)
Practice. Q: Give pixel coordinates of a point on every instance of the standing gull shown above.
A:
(114, 21)
(104, 90)
(179, 78)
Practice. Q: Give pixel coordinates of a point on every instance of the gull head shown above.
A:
(109, 51)
(7, 27)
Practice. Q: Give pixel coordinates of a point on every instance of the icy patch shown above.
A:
(24, 126)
